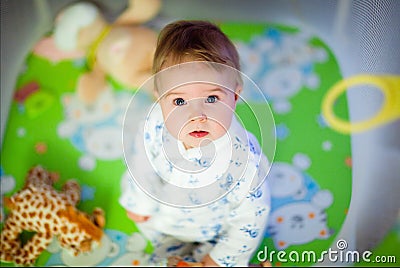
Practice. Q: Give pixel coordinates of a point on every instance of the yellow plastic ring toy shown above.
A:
(390, 87)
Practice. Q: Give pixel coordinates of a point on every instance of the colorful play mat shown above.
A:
(311, 174)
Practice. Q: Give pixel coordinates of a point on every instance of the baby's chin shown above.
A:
(194, 142)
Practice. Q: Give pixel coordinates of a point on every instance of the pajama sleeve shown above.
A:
(133, 198)
(246, 226)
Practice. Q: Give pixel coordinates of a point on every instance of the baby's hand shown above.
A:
(137, 218)
(209, 262)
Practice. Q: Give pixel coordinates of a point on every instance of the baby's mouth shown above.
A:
(198, 134)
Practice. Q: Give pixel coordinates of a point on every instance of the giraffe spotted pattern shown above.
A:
(47, 213)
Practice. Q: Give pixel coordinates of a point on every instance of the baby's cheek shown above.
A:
(221, 121)
(222, 110)
(219, 130)
(174, 128)
(175, 120)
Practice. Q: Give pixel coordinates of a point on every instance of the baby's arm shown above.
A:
(207, 261)
(139, 207)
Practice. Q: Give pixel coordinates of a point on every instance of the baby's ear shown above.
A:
(156, 94)
(238, 91)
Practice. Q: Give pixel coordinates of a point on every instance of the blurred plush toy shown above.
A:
(7, 184)
(40, 209)
(122, 51)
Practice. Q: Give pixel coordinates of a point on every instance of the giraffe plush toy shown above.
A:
(47, 213)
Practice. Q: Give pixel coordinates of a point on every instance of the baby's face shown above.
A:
(198, 113)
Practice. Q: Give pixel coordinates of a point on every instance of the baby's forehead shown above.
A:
(201, 73)
(201, 88)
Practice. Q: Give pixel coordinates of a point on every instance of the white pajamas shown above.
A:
(230, 228)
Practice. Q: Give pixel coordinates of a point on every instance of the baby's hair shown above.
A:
(194, 40)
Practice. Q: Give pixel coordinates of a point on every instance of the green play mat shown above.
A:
(47, 125)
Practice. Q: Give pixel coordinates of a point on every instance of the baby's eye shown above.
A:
(212, 99)
(179, 102)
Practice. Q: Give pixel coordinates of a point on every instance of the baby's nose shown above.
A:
(198, 116)
(197, 111)
(201, 118)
